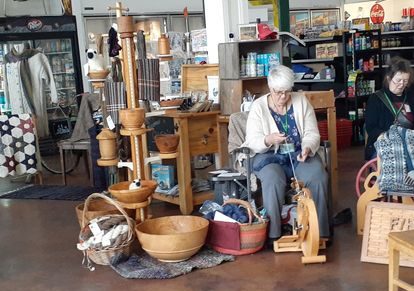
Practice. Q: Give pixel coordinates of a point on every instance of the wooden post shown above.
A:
(126, 30)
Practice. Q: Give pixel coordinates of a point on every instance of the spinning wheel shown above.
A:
(307, 238)
(363, 173)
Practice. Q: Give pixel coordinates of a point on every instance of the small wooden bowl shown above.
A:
(167, 143)
(173, 102)
(122, 193)
(97, 75)
(172, 238)
(132, 118)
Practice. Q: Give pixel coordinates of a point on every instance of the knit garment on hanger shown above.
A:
(39, 72)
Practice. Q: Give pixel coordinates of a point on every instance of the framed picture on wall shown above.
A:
(360, 23)
(248, 32)
(325, 17)
(299, 21)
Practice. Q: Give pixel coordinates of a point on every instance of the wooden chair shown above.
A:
(399, 242)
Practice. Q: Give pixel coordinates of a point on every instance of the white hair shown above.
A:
(280, 78)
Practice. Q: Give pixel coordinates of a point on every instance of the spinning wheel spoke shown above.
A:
(366, 169)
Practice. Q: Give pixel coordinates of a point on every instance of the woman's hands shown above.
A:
(275, 138)
(304, 154)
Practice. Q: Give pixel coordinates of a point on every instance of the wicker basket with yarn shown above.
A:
(98, 253)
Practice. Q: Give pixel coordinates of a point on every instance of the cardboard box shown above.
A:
(164, 175)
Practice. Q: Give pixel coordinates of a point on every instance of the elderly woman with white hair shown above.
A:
(280, 124)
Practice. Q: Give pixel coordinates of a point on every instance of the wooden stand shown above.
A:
(307, 238)
(141, 209)
(198, 136)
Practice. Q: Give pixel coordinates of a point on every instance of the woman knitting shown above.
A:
(282, 132)
(393, 102)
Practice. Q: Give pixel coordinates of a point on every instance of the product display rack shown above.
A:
(232, 83)
(362, 74)
(308, 56)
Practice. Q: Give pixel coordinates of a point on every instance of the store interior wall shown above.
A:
(393, 9)
(10, 8)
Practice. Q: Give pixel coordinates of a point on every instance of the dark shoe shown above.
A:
(343, 217)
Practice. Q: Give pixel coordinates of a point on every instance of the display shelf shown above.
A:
(398, 48)
(308, 61)
(58, 53)
(232, 84)
(315, 81)
(198, 198)
(397, 32)
(253, 78)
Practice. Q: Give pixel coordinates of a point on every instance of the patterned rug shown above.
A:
(143, 266)
(52, 192)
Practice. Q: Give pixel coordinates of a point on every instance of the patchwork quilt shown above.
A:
(17, 145)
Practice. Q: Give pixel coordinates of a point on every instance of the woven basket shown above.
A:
(252, 235)
(104, 256)
(96, 207)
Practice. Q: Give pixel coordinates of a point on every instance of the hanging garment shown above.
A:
(17, 145)
(19, 87)
(114, 46)
(27, 73)
(115, 99)
(149, 79)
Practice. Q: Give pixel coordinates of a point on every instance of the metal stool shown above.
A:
(76, 145)
(399, 242)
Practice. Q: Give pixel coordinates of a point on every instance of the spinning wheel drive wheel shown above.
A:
(307, 220)
(366, 169)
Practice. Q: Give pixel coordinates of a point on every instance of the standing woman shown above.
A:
(392, 103)
(280, 124)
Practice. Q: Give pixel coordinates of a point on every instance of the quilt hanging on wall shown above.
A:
(17, 145)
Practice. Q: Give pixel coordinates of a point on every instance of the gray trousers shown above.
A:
(274, 182)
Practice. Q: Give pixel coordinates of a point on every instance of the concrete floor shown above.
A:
(38, 252)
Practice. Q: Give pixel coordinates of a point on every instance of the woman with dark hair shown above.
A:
(393, 103)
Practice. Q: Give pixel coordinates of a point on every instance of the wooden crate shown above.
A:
(381, 218)
(194, 77)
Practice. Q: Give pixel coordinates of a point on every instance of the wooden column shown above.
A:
(126, 30)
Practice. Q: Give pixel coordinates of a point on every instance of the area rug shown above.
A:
(143, 266)
(52, 192)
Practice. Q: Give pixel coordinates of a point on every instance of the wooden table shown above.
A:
(198, 136)
(399, 242)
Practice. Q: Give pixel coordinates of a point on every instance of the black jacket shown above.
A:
(378, 118)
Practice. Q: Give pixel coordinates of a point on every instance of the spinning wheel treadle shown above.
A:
(307, 238)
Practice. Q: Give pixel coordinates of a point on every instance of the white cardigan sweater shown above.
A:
(261, 123)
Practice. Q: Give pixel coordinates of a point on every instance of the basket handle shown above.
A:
(246, 205)
(109, 201)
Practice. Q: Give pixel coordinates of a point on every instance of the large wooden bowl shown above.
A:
(172, 238)
(122, 193)
(132, 118)
(167, 143)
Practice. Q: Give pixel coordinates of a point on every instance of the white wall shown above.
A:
(30, 7)
(393, 9)
(143, 6)
(315, 4)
